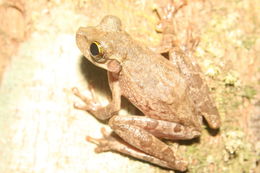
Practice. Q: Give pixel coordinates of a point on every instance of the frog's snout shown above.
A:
(81, 40)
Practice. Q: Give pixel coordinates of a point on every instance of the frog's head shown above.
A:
(98, 43)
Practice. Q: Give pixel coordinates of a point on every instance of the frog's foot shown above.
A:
(91, 103)
(111, 143)
(167, 25)
(191, 42)
(166, 12)
(95, 107)
(167, 9)
(103, 144)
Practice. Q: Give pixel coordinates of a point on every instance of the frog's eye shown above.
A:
(95, 48)
(96, 51)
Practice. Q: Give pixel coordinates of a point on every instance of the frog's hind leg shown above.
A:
(183, 59)
(180, 54)
(140, 135)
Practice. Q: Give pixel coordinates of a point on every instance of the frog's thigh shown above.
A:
(159, 128)
(200, 91)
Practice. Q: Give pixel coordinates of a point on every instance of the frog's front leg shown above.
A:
(93, 107)
(142, 134)
(166, 11)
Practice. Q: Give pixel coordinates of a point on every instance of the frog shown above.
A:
(170, 92)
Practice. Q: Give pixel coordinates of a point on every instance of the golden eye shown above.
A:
(95, 48)
(96, 51)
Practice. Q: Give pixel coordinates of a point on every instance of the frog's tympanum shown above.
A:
(170, 93)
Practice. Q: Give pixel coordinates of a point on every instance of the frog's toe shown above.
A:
(81, 106)
(181, 165)
(103, 144)
(83, 97)
(89, 100)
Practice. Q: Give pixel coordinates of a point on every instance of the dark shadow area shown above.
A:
(126, 104)
(166, 55)
(97, 77)
(186, 142)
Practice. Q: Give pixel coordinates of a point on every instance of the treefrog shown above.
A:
(170, 93)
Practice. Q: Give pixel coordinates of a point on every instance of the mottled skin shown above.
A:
(170, 93)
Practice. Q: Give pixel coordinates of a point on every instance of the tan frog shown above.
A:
(170, 93)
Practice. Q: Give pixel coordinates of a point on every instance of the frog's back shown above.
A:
(157, 88)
